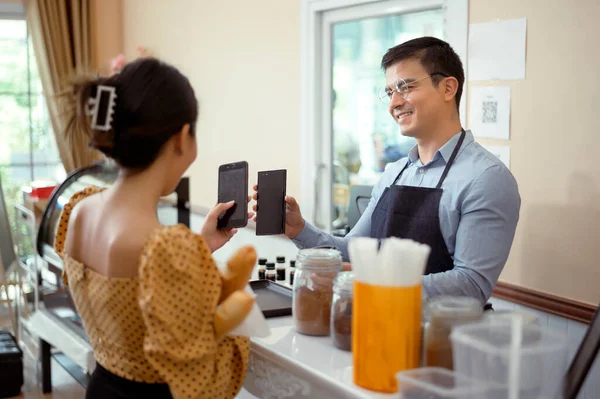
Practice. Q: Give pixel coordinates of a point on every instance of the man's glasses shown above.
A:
(402, 87)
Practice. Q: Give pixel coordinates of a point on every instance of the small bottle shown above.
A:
(262, 268)
(292, 271)
(270, 273)
(281, 268)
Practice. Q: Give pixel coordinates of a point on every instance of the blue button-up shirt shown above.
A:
(479, 211)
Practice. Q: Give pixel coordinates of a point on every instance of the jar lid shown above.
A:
(280, 259)
(319, 258)
(344, 281)
(262, 261)
(271, 266)
(292, 263)
(454, 307)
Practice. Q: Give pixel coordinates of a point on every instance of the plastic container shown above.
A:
(42, 189)
(508, 315)
(341, 311)
(440, 383)
(316, 269)
(484, 351)
(443, 314)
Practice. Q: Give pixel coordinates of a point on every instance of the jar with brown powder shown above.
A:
(443, 314)
(313, 289)
(341, 311)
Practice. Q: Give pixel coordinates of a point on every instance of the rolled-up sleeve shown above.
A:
(485, 234)
(311, 237)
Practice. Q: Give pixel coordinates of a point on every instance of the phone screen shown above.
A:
(270, 219)
(233, 186)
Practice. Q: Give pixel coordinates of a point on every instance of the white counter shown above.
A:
(288, 364)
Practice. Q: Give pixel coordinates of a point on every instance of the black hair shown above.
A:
(153, 102)
(434, 54)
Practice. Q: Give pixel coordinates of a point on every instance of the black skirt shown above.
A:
(106, 385)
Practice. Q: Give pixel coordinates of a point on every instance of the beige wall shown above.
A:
(555, 137)
(107, 32)
(245, 68)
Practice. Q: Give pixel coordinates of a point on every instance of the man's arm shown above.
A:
(311, 237)
(489, 217)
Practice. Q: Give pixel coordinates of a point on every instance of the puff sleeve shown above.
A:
(63, 223)
(179, 289)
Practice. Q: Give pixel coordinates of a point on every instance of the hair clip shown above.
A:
(102, 108)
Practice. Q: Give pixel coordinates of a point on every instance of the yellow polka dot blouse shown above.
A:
(158, 327)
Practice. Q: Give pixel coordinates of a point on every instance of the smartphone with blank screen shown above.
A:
(233, 186)
(270, 216)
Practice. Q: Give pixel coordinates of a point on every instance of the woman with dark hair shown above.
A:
(154, 305)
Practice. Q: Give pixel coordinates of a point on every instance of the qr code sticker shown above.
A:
(490, 111)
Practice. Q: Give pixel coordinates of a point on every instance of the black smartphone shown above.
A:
(270, 217)
(233, 186)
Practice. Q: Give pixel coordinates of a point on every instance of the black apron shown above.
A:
(413, 212)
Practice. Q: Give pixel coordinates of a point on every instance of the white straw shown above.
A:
(399, 262)
(515, 360)
(388, 258)
(363, 256)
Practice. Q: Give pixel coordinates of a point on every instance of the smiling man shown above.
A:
(449, 193)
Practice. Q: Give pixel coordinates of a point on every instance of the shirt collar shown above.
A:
(445, 151)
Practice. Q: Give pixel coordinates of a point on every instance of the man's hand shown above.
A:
(294, 222)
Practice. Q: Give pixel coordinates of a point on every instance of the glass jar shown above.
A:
(316, 268)
(443, 313)
(341, 311)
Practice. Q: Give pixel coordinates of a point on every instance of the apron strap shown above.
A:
(452, 157)
(446, 169)
(400, 174)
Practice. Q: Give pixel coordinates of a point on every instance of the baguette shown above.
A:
(232, 312)
(238, 271)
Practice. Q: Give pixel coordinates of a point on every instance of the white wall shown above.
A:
(243, 60)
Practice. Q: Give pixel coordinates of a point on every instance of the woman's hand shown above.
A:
(215, 238)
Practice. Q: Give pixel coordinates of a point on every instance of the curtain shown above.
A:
(61, 36)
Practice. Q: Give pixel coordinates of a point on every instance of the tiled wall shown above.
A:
(575, 332)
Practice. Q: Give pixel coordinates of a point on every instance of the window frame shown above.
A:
(16, 12)
(315, 186)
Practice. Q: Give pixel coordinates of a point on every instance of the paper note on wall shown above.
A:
(502, 152)
(489, 112)
(497, 50)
